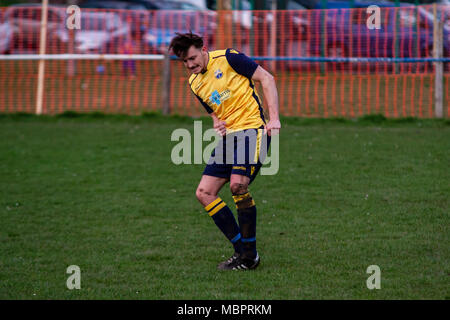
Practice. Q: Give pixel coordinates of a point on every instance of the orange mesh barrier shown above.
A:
(300, 47)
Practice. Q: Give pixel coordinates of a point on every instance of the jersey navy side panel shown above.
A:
(204, 104)
(207, 108)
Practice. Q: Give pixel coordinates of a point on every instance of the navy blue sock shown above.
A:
(247, 223)
(224, 219)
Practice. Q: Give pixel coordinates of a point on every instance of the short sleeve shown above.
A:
(241, 63)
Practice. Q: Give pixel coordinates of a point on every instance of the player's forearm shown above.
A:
(214, 116)
(271, 96)
(218, 124)
(216, 120)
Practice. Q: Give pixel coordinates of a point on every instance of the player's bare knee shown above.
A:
(202, 194)
(238, 188)
(199, 194)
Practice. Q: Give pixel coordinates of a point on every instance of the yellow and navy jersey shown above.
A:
(227, 89)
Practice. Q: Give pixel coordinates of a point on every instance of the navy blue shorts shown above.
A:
(240, 152)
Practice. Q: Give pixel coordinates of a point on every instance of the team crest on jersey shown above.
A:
(218, 73)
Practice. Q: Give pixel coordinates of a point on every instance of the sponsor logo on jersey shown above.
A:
(217, 98)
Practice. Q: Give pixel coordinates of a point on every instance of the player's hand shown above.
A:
(220, 128)
(272, 127)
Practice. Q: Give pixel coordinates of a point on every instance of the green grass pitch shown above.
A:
(102, 193)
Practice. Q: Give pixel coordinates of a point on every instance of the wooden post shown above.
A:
(438, 50)
(323, 34)
(224, 24)
(273, 35)
(397, 26)
(166, 85)
(227, 25)
(71, 68)
(42, 45)
(251, 39)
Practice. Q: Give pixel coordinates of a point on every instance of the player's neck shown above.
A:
(206, 63)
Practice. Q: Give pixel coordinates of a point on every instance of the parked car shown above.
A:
(152, 24)
(166, 23)
(341, 4)
(101, 32)
(404, 32)
(25, 21)
(167, 5)
(136, 15)
(242, 20)
(99, 4)
(291, 30)
(6, 35)
(201, 4)
(444, 9)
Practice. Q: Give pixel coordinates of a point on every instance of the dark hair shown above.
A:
(183, 41)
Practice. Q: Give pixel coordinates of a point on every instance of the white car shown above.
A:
(6, 35)
(101, 32)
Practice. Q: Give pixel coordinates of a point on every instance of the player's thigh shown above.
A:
(239, 183)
